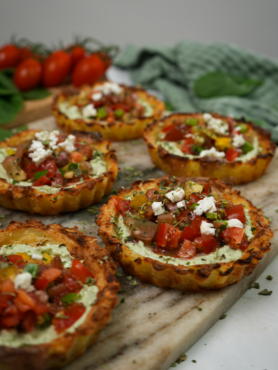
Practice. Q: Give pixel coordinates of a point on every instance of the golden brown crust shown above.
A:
(195, 277)
(236, 172)
(69, 346)
(118, 131)
(27, 198)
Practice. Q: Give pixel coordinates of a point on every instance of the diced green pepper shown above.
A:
(212, 216)
(118, 113)
(32, 268)
(191, 121)
(69, 298)
(101, 113)
(247, 147)
(193, 206)
(243, 128)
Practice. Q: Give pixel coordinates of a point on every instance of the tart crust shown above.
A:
(193, 277)
(29, 199)
(236, 172)
(117, 131)
(69, 346)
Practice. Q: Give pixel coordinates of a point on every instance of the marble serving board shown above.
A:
(151, 327)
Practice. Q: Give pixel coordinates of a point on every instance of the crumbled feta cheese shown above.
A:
(53, 137)
(212, 152)
(24, 281)
(36, 256)
(109, 88)
(176, 195)
(89, 111)
(97, 96)
(189, 135)
(68, 144)
(238, 141)
(207, 229)
(205, 205)
(39, 155)
(158, 208)
(36, 145)
(42, 136)
(234, 222)
(181, 204)
(219, 126)
(207, 117)
(237, 128)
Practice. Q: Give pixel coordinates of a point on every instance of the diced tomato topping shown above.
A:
(26, 299)
(122, 205)
(185, 216)
(206, 244)
(76, 157)
(119, 106)
(15, 258)
(152, 193)
(21, 306)
(236, 212)
(232, 154)
(7, 286)
(161, 236)
(80, 271)
(11, 317)
(29, 322)
(42, 181)
(196, 223)
(207, 189)
(58, 179)
(30, 169)
(194, 198)
(174, 135)
(50, 166)
(233, 236)
(70, 316)
(4, 301)
(244, 243)
(187, 145)
(168, 128)
(47, 277)
(189, 233)
(71, 283)
(187, 250)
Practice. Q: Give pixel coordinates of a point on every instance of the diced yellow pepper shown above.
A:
(10, 151)
(9, 272)
(46, 258)
(24, 256)
(138, 201)
(223, 143)
(192, 187)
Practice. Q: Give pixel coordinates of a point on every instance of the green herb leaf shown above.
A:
(10, 106)
(265, 292)
(90, 281)
(7, 87)
(32, 268)
(36, 94)
(40, 174)
(218, 83)
(72, 166)
(69, 298)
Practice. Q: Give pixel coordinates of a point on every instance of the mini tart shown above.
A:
(116, 131)
(71, 199)
(69, 346)
(192, 277)
(235, 172)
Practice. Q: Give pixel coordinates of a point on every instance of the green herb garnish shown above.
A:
(69, 298)
(32, 268)
(40, 174)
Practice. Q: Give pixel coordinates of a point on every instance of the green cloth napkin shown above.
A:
(174, 70)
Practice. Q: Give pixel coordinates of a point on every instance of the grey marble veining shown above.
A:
(153, 326)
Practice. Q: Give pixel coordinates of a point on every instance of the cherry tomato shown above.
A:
(167, 128)
(206, 244)
(236, 212)
(25, 53)
(80, 271)
(9, 56)
(233, 236)
(28, 74)
(106, 60)
(77, 53)
(56, 68)
(88, 70)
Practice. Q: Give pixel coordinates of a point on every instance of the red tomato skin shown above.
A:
(77, 53)
(194, 198)
(189, 233)
(56, 68)
(122, 205)
(9, 56)
(50, 165)
(244, 243)
(206, 244)
(15, 258)
(231, 154)
(161, 236)
(187, 145)
(167, 128)
(233, 236)
(72, 314)
(174, 135)
(88, 70)
(28, 74)
(207, 189)
(196, 223)
(47, 277)
(30, 170)
(187, 250)
(173, 237)
(42, 181)
(236, 211)
(80, 271)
